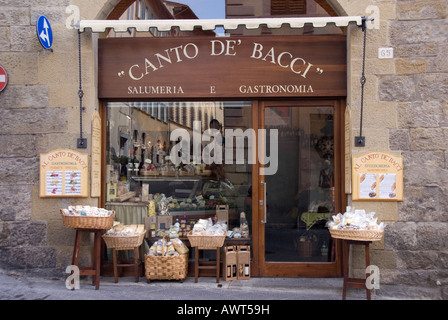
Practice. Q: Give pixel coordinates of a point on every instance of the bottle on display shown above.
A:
(183, 221)
(183, 225)
(246, 270)
(244, 227)
(324, 249)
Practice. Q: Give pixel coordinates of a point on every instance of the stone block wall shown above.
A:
(412, 94)
(39, 112)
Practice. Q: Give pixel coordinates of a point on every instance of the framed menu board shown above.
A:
(377, 175)
(64, 173)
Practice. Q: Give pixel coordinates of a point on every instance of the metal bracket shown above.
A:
(360, 141)
(82, 143)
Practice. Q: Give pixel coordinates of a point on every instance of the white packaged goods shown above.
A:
(87, 211)
(355, 220)
(206, 227)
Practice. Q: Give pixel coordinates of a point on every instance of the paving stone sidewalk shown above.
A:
(16, 287)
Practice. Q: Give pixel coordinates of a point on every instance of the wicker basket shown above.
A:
(166, 267)
(206, 241)
(124, 242)
(88, 222)
(306, 248)
(359, 235)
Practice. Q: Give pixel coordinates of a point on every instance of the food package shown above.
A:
(173, 232)
(206, 227)
(355, 220)
(168, 247)
(202, 225)
(162, 248)
(151, 208)
(179, 246)
(121, 230)
(86, 211)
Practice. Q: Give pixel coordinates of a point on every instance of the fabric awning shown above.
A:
(212, 24)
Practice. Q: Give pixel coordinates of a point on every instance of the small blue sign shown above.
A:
(44, 32)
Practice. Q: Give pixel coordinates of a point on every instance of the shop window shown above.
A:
(143, 139)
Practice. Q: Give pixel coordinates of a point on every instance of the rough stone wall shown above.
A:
(405, 112)
(39, 112)
(420, 89)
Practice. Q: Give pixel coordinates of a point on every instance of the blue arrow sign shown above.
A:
(44, 32)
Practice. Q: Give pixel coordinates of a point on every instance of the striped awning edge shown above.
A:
(212, 24)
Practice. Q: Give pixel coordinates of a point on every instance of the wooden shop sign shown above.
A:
(377, 175)
(286, 66)
(64, 173)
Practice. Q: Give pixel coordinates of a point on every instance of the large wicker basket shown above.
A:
(166, 267)
(359, 235)
(206, 241)
(88, 222)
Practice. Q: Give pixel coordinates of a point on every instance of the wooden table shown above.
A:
(94, 271)
(353, 282)
(136, 264)
(198, 266)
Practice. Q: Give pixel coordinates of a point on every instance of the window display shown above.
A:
(166, 159)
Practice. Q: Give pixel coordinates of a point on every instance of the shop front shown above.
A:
(254, 124)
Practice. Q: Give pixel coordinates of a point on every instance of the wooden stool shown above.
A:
(353, 282)
(197, 266)
(95, 270)
(136, 263)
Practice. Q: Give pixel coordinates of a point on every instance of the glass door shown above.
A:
(299, 193)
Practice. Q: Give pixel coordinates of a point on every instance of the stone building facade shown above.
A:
(405, 112)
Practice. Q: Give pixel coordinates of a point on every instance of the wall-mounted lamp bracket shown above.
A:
(360, 141)
(81, 143)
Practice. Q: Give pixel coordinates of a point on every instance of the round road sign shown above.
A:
(3, 78)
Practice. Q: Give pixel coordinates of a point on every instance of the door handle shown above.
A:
(263, 202)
